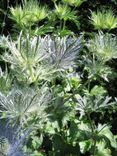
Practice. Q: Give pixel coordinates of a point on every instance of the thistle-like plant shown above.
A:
(95, 101)
(38, 58)
(96, 68)
(111, 20)
(20, 104)
(35, 12)
(63, 51)
(29, 14)
(28, 58)
(104, 19)
(64, 12)
(90, 104)
(104, 46)
(75, 3)
(11, 140)
(19, 16)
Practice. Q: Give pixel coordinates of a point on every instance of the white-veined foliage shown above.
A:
(104, 46)
(20, 104)
(41, 58)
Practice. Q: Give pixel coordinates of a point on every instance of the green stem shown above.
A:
(86, 83)
(64, 23)
(5, 16)
(93, 133)
(60, 24)
(94, 147)
(30, 71)
(30, 30)
(91, 123)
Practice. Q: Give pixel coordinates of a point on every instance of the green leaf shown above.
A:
(85, 146)
(102, 150)
(109, 135)
(37, 141)
(63, 33)
(73, 132)
(42, 30)
(58, 143)
(97, 90)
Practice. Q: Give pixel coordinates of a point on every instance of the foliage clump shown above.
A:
(57, 96)
(104, 19)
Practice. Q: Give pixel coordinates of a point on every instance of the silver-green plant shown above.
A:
(65, 13)
(12, 146)
(41, 58)
(95, 101)
(28, 14)
(96, 68)
(88, 104)
(26, 57)
(104, 46)
(20, 104)
(104, 19)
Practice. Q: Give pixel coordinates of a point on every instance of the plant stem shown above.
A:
(64, 23)
(94, 147)
(93, 132)
(60, 24)
(30, 68)
(91, 123)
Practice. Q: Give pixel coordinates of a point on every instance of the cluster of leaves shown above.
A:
(104, 19)
(40, 20)
(40, 58)
(52, 91)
